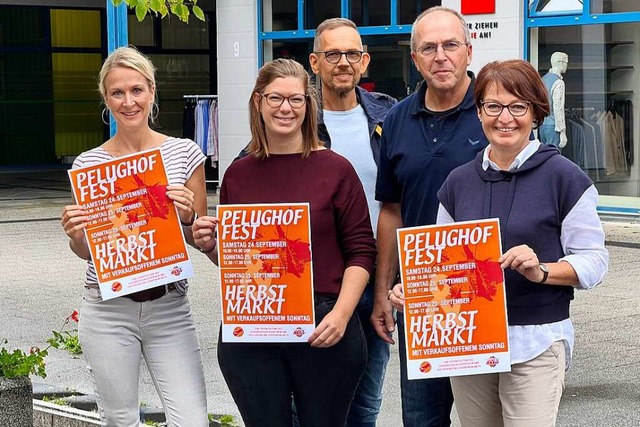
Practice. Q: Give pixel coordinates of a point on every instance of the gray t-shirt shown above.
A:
(349, 132)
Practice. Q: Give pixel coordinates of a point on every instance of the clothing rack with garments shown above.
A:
(200, 123)
(600, 138)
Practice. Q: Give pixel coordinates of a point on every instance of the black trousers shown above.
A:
(262, 378)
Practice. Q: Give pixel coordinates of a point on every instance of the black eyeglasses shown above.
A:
(494, 109)
(430, 49)
(275, 100)
(334, 56)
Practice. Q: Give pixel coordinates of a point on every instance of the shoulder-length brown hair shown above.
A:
(519, 78)
(270, 71)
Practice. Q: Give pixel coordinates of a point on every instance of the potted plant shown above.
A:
(16, 391)
(16, 406)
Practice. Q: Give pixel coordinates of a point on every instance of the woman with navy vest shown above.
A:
(553, 239)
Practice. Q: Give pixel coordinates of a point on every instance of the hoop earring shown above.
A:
(155, 110)
(104, 112)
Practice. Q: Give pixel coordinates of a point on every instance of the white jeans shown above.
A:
(114, 334)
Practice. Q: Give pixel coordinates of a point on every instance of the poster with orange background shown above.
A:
(134, 233)
(266, 275)
(455, 306)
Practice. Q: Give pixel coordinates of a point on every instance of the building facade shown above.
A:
(600, 38)
(50, 53)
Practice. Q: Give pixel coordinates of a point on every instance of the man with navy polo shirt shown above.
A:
(425, 137)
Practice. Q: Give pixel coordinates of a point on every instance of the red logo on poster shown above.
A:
(425, 367)
(476, 7)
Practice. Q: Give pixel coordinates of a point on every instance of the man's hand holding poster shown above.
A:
(454, 306)
(134, 234)
(266, 277)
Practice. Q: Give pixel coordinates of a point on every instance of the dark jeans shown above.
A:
(368, 398)
(263, 377)
(425, 403)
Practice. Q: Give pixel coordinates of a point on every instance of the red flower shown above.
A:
(74, 316)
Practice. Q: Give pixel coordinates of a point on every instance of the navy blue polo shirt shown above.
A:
(419, 149)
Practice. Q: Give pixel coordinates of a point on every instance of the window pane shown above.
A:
(280, 15)
(390, 70)
(26, 109)
(600, 92)
(21, 26)
(555, 6)
(609, 6)
(298, 50)
(141, 33)
(178, 35)
(410, 9)
(75, 28)
(76, 107)
(178, 75)
(318, 11)
(371, 12)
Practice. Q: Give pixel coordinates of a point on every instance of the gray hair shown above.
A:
(331, 24)
(463, 23)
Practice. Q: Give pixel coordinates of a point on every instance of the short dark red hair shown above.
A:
(519, 78)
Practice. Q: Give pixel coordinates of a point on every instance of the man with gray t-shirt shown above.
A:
(351, 125)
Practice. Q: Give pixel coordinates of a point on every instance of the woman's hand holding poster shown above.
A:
(133, 233)
(454, 308)
(266, 275)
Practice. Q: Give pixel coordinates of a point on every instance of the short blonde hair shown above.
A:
(129, 57)
(268, 73)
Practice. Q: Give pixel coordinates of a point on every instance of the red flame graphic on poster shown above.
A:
(293, 256)
(155, 199)
(477, 7)
(482, 284)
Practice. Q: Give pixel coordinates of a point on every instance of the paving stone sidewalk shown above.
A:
(40, 285)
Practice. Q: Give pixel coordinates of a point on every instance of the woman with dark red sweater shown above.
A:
(287, 164)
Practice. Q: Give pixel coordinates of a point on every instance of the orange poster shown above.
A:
(455, 305)
(134, 233)
(266, 276)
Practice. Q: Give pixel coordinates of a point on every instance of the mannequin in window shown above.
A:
(553, 130)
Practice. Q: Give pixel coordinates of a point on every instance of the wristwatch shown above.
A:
(209, 251)
(545, 273)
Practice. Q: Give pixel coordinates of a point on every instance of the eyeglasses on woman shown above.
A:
(494, 109)
(275, 100)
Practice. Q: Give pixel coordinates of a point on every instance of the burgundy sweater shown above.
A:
(341, 233)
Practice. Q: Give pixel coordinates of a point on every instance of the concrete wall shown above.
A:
(15, 401)
(237, 70)
(497, 36)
